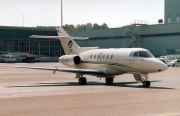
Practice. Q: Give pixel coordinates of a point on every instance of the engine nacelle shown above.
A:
(77, 60)
(70, 60)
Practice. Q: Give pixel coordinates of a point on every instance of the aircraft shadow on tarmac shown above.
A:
(92, 83)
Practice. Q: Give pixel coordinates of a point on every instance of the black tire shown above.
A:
(109, 80)
(146, 83)
(82, 81)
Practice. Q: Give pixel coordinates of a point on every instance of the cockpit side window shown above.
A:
(131, 54)
(136, 54)
(145, 54)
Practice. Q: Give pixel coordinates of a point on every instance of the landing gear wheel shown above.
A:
(82, 81)
(109, 80)
(146, 83)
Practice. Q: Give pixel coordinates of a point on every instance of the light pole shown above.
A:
(61, 13)
(23, 19)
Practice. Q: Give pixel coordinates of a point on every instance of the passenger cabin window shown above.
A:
(107, 56)
(103, 56)
(94, 56)
(91, 56)
(99, 56)
(112, 56)
(143, 54)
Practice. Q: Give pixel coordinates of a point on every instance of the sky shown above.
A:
(115, 13)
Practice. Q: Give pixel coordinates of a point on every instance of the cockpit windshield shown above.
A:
(143, 54)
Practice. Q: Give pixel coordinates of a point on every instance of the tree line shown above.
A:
(88, 26)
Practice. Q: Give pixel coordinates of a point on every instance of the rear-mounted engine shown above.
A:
(77, 60)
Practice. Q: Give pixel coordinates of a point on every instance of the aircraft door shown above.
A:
(99, 58)
(132, 58)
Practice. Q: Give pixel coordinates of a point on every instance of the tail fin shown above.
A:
(69, 45)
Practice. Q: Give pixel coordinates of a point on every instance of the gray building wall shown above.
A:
(162, 45)
(172, 11)
(160, 39)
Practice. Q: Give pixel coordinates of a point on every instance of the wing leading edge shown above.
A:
(70, 70)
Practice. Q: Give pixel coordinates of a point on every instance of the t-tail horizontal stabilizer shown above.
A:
(57, 37)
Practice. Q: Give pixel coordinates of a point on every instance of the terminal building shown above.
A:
(159, 39)
(16, 40)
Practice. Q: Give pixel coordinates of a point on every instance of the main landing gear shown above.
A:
(109, 80)
(82, 81)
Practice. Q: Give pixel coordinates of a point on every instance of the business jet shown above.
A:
(103, 63)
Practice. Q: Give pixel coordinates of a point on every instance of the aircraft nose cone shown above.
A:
(162, 66)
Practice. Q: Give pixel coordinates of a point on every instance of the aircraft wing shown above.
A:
(70, 70)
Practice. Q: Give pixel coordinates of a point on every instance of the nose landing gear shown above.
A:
(142, 78)
(146, 83)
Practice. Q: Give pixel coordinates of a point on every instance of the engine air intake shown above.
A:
(77, 60)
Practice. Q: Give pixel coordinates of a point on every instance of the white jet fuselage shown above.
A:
(116, 61)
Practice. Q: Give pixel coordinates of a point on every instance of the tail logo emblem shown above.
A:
(70, 43)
